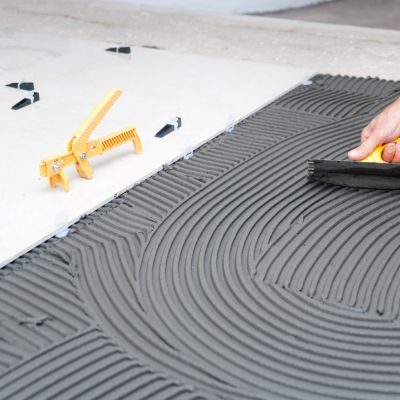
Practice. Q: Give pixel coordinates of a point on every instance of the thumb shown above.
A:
(365, 148)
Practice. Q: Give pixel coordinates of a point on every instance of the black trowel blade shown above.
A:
(355, 174)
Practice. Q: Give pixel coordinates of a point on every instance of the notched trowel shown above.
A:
(370, 173)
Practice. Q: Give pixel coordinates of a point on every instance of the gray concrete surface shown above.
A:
(228, 6)
(384, 14)
(320, 47)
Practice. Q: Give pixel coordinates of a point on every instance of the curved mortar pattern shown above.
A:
(227, 276)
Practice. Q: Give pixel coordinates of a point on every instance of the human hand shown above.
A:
(384, 128)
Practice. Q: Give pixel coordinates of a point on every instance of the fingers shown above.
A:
(365, 148)
(396, 158)
(384, 128)
(389, 152)
(366, 133)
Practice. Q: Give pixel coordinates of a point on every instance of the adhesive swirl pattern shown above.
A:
(226, 276)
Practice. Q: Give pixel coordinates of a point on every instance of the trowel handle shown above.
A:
(376, 155)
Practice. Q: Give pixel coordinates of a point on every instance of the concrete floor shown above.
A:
(384, 14)
(320, 47)
(227, 6)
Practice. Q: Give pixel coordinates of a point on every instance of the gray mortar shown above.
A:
(226, 276)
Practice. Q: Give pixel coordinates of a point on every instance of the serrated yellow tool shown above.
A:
(79, 149)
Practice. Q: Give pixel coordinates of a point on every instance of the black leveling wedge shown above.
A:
(370, 173)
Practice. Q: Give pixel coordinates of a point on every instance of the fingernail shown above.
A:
(398, 146)
(391, 147)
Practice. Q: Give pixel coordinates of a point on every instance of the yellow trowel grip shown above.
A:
(376, 155)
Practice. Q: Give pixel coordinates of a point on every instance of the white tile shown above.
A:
(71, 76)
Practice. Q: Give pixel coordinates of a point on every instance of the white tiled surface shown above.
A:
(71, 76)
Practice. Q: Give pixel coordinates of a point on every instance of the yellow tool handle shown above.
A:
(79, 139)
(376, 155)
(115, 139)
